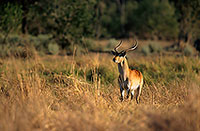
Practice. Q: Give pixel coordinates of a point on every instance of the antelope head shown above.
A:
(120, 56)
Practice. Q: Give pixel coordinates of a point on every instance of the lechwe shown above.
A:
(129, 80)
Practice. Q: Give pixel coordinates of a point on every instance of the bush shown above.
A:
(89, 43)
(105, 74)
(53, 48)
(68, 21)
(75, 50)
(10, 18)
(4, 51)
(111, 43)
(14, 39)
(40, 42)
(151, 48)
(146, 50)
(153, 18)
(17, 51)
(188, 51)
(155, 48)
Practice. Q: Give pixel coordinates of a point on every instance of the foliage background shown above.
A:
(68, 22)
(57, 73)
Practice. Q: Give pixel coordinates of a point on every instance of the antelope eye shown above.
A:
(122, 54)
(114, 53)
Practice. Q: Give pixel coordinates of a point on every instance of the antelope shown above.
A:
(129, 80)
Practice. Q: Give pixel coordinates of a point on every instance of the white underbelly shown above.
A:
(133, 87)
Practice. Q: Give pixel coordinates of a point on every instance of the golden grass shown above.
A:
(47, 93)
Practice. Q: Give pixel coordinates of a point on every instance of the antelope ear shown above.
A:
(113, 52)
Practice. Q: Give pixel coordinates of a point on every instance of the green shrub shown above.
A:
(68, 21)
(17, 51)
(75, 50)
(155, 48)
(151, 48)
(153, 18)
(4, 50)
(89, 44)
(40, 42)
(80, 50)
(146, 50)
(14, 39)
(107, 76)
(188, 51)
(111, 43)
(53, 48)
(44, 39)
(11, 17)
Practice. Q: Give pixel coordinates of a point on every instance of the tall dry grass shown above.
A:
(55, 93)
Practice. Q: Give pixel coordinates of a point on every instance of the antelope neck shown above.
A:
(124, 69)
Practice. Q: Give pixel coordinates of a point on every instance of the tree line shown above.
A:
(69, 21)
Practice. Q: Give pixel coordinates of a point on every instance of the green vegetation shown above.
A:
(53, 48)
(158, 20)
(111, 43)
(68, 22)
(155, 47)
(57, 71)
(11, 17)
(146, 50)
(89, 44)
(152, 48)
(188, 50)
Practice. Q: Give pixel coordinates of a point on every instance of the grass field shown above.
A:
(81, 93)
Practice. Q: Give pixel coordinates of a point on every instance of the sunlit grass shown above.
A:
(81, 93)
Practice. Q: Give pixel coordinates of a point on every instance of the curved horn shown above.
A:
(115, 49)
(133, 47)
